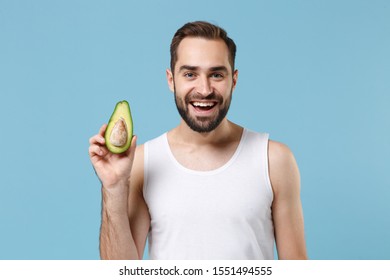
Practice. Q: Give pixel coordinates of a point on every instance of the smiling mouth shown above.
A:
(204, 105)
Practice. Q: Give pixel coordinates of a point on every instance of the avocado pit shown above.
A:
(118, 136)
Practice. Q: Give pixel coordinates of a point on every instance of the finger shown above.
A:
(104, 150)
(95, 150)
(97, 153)
(102, 129)
(97, 139)
(133, 146)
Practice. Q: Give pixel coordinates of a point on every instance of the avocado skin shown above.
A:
(122, 110)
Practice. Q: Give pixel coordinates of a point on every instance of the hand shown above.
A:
(112, 169)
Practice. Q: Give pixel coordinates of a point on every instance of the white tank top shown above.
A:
(220, 214)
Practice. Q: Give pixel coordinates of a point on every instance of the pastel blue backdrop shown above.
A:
(314, 74)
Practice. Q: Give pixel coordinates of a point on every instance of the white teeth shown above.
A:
(203, 104)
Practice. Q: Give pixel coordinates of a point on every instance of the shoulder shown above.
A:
(283, 169)
(142, 150)
(279, 153)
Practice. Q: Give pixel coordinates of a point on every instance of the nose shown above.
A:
(204, 86)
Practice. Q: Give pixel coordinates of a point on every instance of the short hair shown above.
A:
(201, 29)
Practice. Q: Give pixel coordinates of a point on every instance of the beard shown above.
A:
(198, 123)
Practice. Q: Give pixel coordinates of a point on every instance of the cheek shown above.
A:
(224, 88)
(183, 89)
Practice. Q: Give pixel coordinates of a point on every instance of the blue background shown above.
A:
(314, 74)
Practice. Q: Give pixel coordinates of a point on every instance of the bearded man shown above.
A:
(208, 188)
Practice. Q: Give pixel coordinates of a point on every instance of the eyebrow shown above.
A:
(194, 68)
(188, 67)
(219, 68)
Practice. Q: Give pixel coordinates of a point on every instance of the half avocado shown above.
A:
(119, 131)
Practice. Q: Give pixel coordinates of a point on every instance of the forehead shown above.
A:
(202, 52)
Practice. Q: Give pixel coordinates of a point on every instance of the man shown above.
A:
(207, 189)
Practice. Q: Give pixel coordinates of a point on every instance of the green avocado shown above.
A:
(119, 131)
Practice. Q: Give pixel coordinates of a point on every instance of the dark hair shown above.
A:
(204, 30)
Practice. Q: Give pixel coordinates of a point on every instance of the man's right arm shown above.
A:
(116, 241)
(125, 218)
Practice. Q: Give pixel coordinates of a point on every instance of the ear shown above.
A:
(170, 80)
(235, 77)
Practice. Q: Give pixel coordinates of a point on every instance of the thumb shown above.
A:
(131, 151)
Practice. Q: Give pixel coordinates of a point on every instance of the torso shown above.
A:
(227, 204)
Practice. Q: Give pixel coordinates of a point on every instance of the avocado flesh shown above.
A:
(119, 131)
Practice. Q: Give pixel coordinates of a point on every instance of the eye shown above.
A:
(189, 75)
(217, 76)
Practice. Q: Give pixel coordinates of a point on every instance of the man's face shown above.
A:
(203, 82)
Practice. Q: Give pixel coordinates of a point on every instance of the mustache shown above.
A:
(197, 96)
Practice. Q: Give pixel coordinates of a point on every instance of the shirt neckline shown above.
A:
(207, 172)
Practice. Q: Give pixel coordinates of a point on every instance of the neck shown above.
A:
(225, 132)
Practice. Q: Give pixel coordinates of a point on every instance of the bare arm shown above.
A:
(116, 241)
(286, 209)
(114, 171)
